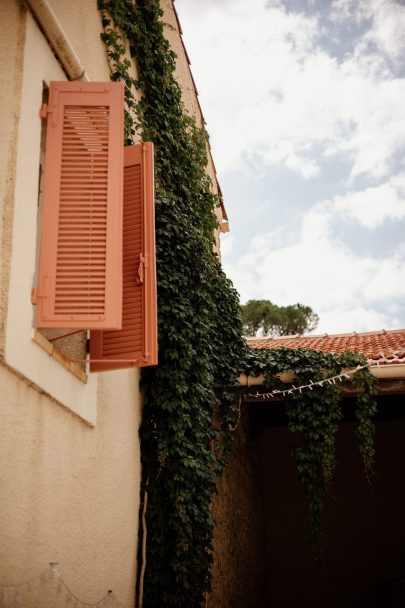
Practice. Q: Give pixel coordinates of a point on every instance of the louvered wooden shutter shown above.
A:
(136, 344)
(80, 266)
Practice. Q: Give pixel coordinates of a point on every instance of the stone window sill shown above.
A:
(56, 354)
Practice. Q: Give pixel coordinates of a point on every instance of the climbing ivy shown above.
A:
(120, 65)
(315, 415)
(187, 425)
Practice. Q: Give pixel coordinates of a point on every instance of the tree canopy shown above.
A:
(268, 319)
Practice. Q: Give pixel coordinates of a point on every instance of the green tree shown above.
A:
(271, 320)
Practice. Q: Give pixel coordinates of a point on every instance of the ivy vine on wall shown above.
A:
(315, 415)
(187, 426)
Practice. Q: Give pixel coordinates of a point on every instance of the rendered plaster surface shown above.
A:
(69, 480)
(70, 493)
(21, 352)
(11, 47)
(69, 476)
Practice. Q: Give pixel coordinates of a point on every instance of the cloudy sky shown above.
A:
(305, 107)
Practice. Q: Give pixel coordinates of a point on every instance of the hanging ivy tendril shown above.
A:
(187, 426)
(314, 415)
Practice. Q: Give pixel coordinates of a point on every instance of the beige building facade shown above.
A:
(69, 450)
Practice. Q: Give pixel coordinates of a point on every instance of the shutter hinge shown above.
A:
(49, 109)
(38, 292)
(44, 111)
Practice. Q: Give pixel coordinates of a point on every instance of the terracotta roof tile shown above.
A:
(385, 346)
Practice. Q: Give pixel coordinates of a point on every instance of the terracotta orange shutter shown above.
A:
(136, 344)
(80, 266)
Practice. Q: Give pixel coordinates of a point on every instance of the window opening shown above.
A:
(72, 345)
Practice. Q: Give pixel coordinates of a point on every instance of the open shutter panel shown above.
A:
(79, 278)
(136, 344)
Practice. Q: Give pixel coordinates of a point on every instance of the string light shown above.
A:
(332, 380)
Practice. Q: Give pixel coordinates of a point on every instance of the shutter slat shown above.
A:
(81, 238)
(135, 344)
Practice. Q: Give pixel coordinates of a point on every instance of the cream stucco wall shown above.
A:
(21, 352)
(70, 493)
(69, 451)
(12, 42)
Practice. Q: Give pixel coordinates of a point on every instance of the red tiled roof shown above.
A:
(385, 346)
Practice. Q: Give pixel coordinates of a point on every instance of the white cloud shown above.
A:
(306, 167)
(353, 10)
(388, 29)
(227, 243)
(346, 289)
(342, 320)
(373, 206)
(274, 97)
(270, 92)
(387, 19)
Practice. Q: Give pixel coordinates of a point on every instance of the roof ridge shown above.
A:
(378, 332)
(380, 347)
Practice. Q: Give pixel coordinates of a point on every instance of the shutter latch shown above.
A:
(140, 276)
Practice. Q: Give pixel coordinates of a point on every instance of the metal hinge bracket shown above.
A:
(40, 292)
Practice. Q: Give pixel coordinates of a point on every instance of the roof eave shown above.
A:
(391, 380)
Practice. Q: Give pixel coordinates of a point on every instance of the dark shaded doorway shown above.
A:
(364, 524)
